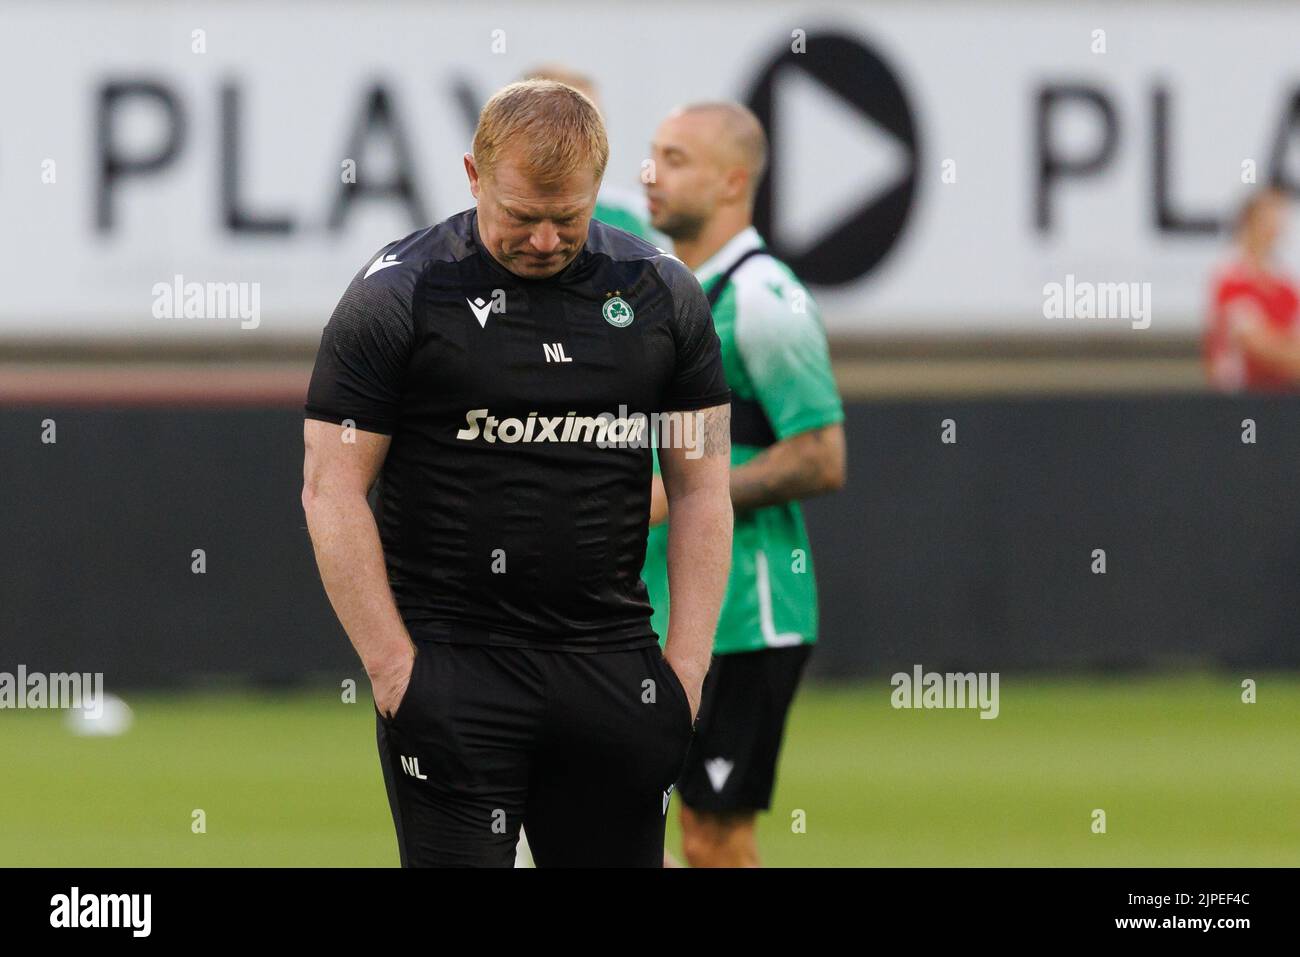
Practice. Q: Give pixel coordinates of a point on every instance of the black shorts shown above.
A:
(580, 748)
(731, 765)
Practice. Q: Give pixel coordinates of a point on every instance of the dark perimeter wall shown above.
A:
(976, 555)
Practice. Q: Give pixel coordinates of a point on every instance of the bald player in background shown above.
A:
(787, 445)
(622, 208)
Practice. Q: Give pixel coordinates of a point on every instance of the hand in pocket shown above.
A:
(389, 686)
(692, 700)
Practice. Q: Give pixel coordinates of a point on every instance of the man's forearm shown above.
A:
(699, 561)
(351, 563)
(772, 477)
(1248, 328)
(810, 464)
(795, 468)
(1281, 355)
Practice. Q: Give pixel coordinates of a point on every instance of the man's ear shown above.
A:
(472, 172)
(737, 182)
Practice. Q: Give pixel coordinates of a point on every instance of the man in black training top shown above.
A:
(500, 374)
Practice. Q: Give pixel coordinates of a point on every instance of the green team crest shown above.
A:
(617, 312)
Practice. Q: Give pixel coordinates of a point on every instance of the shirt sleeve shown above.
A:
(780, 338)
(364, 350)
(699, 381)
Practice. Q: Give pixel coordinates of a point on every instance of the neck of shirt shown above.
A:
(735, 247)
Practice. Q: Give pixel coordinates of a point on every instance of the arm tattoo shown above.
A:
(717, 430)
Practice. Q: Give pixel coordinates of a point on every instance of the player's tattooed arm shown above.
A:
(801, 466)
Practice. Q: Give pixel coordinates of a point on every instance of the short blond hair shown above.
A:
(558, 128)
(563, 74)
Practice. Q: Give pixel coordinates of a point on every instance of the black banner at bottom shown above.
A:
(334, 906)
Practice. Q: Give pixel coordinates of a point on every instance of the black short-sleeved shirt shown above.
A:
(514, 500)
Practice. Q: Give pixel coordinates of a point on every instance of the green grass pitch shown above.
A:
(1186, 773)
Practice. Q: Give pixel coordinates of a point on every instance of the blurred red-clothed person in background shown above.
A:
(1253, 340)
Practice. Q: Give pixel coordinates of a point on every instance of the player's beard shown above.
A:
(679, 226)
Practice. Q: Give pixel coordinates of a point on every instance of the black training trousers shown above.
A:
(581, 748)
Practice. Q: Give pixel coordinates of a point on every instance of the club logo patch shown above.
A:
(617, 312)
